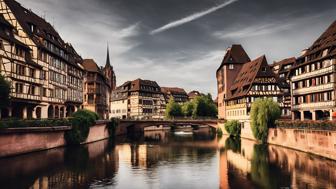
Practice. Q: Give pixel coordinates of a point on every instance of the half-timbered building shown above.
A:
(234, 59)
(45, 72)
(282, 69)
(254, 80)
(313, 79)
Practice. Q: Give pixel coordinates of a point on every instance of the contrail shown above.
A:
(191, 17)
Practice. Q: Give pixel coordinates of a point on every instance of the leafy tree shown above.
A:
(204, 107)
(187, 109)
(264, 113)
(233, 128)
(173, 109)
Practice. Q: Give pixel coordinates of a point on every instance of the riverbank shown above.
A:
(17, 141)
(317, 142)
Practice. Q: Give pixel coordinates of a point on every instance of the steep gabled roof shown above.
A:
(235, 55)
(148, 86)
(326, 40)
(90, 65)
(173, 90)
(245, 78)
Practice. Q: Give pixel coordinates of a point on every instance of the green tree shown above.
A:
(4, 93)
(187, 109)
(233, 128)
(264, 113)
(173, 109)
(204, 107)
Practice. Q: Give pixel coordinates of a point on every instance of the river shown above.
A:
(160, 159)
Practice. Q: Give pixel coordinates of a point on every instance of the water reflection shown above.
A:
(161, 159)
(245, 164)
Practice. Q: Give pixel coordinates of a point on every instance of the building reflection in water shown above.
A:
(245, 164)
(162, 159)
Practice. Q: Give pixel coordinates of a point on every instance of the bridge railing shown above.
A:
(174, 119)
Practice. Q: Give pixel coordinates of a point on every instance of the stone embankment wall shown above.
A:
(16, 141)
(318, 142)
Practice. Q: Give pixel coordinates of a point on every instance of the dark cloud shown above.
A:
(187, 55)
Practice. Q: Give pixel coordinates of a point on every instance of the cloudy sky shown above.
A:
(181, 42)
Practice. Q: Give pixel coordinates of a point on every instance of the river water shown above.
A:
(169, 161)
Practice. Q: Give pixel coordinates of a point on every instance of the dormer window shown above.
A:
(263, 69)
(32, 27)
(231, 66)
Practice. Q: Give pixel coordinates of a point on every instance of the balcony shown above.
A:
(27, 78)
(314, 89)
(314, 73)
(314, 105)
(26, 96)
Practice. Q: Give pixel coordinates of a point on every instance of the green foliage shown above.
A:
(309, 124)
(4, 92)
(204, 107)
(187, 109)
(81, 122)
(86, 113)
(233, 144)
(112, 126)
(233, 128)
(173, 109)
(264, 113)
(16, 123)
(219, 132)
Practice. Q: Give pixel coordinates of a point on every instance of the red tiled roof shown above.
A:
(235, 55)
(194, 94)
(90, 65)
(247, 75)
(173, 90)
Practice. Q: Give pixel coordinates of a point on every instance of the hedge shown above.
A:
(16, 123)
(314, 125)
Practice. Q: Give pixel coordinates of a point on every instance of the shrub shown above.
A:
(219, 132)
(308, 124)
(16, 123)
(81, 122)
(112, 126)
(264, 113)
(233, 128)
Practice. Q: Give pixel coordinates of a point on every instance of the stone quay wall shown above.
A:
(16, 141)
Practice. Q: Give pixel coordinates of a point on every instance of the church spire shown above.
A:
(108, 56)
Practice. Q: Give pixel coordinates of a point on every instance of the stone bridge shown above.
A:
(126, 126)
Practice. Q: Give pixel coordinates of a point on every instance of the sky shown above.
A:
(181, 43)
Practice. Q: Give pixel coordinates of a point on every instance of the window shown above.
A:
(19, 88)
(263, 69)
(44, 92)
(231, 66)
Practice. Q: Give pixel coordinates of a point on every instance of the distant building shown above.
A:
(313, 79)
(282, 70)
(97, 89)
(144, 100)
(45, 72)
(119, 102)
(234, 59)
(193, 94)
(180, 96)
